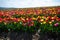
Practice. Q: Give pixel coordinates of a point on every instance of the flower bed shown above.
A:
(47, 19)
(30, 20)
(48, 23)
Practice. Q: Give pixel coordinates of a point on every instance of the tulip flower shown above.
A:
(0, 19)
(33, 18)
(44, 22)
(30, 17)
(39, 17)
(50, 22)
(56, 24)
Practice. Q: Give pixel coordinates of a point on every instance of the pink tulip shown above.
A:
(56, 24)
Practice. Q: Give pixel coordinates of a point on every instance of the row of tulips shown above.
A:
(38, 18)
(44, 23)
(9, 13)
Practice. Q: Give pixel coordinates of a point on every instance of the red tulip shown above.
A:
(1, 20)
(31, 23)
(15, 19)
(58, 19)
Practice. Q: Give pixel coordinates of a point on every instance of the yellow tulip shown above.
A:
(52, 17)
(38, 17)
(42, 17)
(46, 18)
(33, 18)
(44, 22)
(50, 22)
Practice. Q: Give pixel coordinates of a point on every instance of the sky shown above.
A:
(28, 3)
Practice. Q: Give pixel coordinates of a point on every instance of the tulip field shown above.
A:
(45, 19)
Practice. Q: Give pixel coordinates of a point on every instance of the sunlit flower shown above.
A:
(33, 18)
(52, 18)
(44, 22)
(50, 22)
(39, 17)
(42, 17)
(46, 19)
